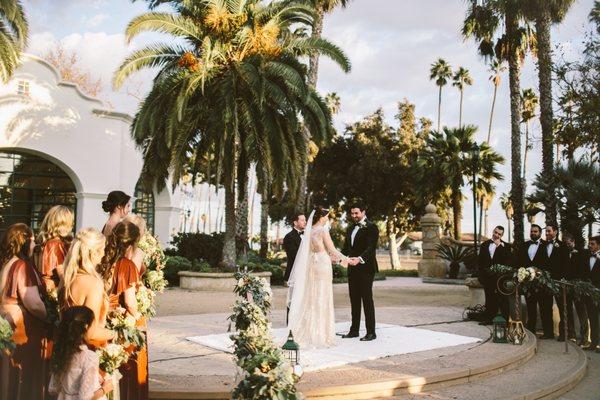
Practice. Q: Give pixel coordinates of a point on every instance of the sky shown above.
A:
(391, 44)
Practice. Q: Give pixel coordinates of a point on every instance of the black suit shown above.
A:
(494, 300)
(592, 275)
(360, 277)
(545, 300)
(291, 244)
(559, 262)
(570, 273)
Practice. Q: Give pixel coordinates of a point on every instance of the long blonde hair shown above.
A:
(79, 259)
(58, 223)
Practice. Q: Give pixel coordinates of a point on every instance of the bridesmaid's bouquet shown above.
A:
(145, 301)
(50, 299)
(123, 324)
(6, 336)
(111, 358)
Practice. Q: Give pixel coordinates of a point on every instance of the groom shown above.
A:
(360, 246)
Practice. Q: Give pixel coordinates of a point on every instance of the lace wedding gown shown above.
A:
(311, 317)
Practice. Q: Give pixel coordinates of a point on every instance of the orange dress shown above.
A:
(23, 374)
(53, 255)
(134, 384)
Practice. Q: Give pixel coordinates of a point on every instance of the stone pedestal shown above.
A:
(431, 266)
(476, 293)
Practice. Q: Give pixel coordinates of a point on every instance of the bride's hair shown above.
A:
(320, 212)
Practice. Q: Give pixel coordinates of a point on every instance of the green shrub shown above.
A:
(198, 246)
(400, 272)
(276, 271)
(173, 265)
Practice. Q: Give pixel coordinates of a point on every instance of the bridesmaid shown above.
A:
(22, 374)
(137, 255)
(83, 286)
(118, 205)
(53, 243)
(123, 278)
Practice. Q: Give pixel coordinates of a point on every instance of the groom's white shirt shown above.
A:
(353, 235)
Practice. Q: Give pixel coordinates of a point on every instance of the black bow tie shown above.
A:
(300, 232)
(536, 242)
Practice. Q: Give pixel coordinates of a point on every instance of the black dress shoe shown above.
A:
(368, 337)
(560, 338)
(350, 335)
(544, 337)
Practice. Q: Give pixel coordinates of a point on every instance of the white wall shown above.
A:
(92, 145)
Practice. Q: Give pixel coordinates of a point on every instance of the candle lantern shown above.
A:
(500, 330)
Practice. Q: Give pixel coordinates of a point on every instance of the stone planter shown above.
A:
(213, 281)
(476, 293)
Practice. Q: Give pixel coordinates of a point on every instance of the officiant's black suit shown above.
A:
(291, 244)
(360, 277)
(545, 300)
(494, 300)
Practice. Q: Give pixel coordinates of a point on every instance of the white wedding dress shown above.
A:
(310, 295)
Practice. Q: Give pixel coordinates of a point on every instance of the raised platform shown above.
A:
(183, 370)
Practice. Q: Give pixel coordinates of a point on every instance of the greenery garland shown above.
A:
(266, 373)
(533, 280)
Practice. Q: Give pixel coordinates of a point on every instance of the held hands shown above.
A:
(353, 261)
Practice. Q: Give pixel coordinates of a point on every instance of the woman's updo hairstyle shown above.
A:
(320, 212)
(115, 199)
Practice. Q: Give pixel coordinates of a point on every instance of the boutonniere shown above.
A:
(574, 251)
(362, 224)
(556, 244)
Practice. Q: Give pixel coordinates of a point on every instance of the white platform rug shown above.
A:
(391, 340)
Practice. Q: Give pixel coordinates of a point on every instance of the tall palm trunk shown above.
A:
(241, 223)
(439, 109)
(393, 243)
(525, 153)
(514, 70)
(457, 212)
(460, 111)
(542, 25)
(489, 135)
(264, 226)
(229, 253)
(313, 75)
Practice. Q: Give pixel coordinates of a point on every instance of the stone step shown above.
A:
(548, 375)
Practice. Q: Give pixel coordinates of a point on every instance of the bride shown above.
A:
(310, 294)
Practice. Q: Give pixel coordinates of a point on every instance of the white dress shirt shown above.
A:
(492, 249)
(550, 247)
(353, 235)
(533, 248)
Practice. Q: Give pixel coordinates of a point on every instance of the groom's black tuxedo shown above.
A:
(360, 277)
(291, 244)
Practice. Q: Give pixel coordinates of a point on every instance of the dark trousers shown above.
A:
(584, 322)
(360, 285)
(570, 316)
(494, 301)
(593, 312)
(545, 302)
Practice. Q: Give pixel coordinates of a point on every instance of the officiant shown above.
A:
(291, 243)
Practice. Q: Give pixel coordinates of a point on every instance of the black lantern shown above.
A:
(291, 351)
(500, 330)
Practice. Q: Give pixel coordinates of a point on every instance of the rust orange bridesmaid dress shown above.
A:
(23, 373)
(134, 384)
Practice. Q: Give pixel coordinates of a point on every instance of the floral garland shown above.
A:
(127, 334)
(154, 258)
(6, 336)
(532, 279)
(266, 373)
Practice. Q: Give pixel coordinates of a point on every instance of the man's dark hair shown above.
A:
(596, 239)
(294, 217)
(357, 204)
(568, 236)
(536, 226)
(553, 226)
(500, 227)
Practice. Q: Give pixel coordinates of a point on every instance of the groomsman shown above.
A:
(291, 244)
(558, 259)
(493, 251)
(590, 271)
(571, 273)
(534, 254)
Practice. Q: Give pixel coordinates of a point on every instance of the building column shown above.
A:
(166, 223)
(89, 211)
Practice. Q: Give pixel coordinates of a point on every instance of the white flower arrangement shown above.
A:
(112, 356)
(145, 301)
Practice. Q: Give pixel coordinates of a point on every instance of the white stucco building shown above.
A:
(59, 146)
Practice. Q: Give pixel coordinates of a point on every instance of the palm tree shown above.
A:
(529, 101)
(440, 72)
(13, 36)
(321, 7)
(506, 204)
(594, 16)
(231, 85)
(497, 67)
(461, 79)
(333, 102)
(502, 33)
(545, 13)
(449, 155)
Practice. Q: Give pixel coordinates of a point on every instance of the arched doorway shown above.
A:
(144, 206)
(29, 186)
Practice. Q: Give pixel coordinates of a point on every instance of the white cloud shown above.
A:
(95, 20)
